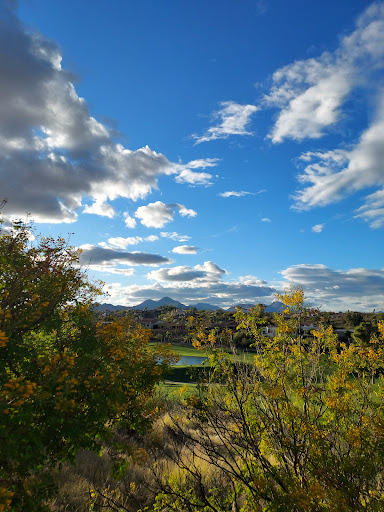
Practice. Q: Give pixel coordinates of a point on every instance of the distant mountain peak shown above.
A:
(274, 307)
(165, 301)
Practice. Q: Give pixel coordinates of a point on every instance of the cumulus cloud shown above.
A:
(93, 255)
(51, 144)
(318, 228)
(265, 219)
(130, 222)
(357, 289)
(333, 290)
(158, 214)
(175, 236)
(310, 93)
(201, 283)
(211, 269)
(232, 119)
(185, 249)
(100, 208)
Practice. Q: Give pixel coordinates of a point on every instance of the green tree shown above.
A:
(352, 319)
(364, 332)
(65, 382)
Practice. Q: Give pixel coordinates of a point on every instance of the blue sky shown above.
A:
(208, 151)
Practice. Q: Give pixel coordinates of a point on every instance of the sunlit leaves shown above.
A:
(301, 429)
(65, 382)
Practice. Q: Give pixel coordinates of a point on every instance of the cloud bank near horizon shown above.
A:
(332, 290)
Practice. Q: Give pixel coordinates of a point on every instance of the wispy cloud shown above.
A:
(310, 93)
(175, 236)
(122, 243)
(186, 173)
(332, 175)
(373, 209)
(232, 119)
(194, 178)
(234, 193)
(106, 269)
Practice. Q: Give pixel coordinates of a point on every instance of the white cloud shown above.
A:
(310, 93)
(266, 219)
(122, 243)
(106, 269)
(200, 163)
(175, 236)
(211, 268)
(185, 249)
(151, 238)
(373, 210)
(223, 294)
(318, 228)
(332, 175)
(233, 118)
(184, 211)
(100, 208)
(158, 214)
(50, 142)
(333, 290)
(356, 289)
(199, 274)
(234, 193)
(130, 222)
(182, 273)
(187, 174)
(194, 178)
(155, 215)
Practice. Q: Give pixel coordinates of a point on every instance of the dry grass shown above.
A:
(159, 461)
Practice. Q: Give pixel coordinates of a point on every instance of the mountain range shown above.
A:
(150, 304)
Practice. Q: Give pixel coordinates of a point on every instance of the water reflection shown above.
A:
(191, 360)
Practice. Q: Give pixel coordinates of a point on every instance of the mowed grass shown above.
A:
(181, 380)
(177, 390)
(183, 349)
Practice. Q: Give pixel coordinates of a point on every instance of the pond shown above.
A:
(191, 360)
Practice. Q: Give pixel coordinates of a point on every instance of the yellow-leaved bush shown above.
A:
(65, 381)
(301, 429)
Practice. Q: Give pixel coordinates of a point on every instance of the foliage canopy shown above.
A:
(65, 381)
(302, 429)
